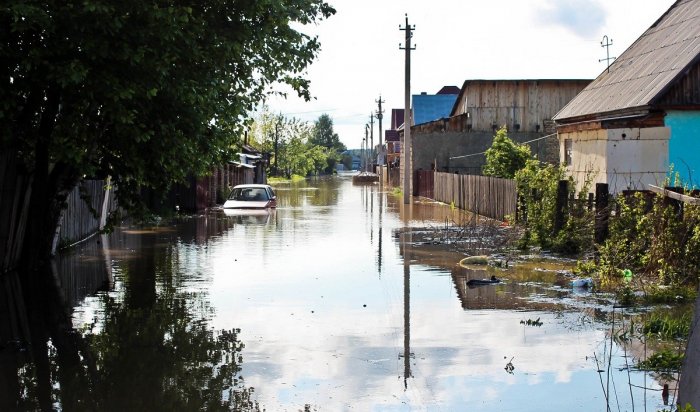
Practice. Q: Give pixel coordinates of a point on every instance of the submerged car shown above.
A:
(251, 197)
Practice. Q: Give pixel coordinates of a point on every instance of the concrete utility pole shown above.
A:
(277, 126)
(406, 147)
(371, 141)
(380, 116)
(366, 142)
(605, 43)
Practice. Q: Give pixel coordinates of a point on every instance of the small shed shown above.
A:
(642, 114)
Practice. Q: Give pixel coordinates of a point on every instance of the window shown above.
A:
(567, 151)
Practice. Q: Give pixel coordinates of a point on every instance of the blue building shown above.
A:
(429, 107)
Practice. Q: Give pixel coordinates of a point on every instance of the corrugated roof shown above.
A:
(427, 108)
(645, 71)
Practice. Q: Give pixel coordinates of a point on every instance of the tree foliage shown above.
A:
(505, 157)
(293, 145)
(146, 92)
(325, 136)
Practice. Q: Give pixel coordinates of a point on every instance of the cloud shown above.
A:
(584, 18)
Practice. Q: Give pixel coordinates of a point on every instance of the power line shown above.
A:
(480, 153)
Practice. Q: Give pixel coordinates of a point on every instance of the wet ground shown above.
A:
(342, 299)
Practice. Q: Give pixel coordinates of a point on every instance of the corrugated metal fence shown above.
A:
(487, 196)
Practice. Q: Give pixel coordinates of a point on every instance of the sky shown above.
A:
(455, 40)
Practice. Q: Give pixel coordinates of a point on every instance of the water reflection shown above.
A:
(327, 303)
(145, 346)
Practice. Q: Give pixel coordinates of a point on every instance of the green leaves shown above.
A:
(505, 157)
(147, 92)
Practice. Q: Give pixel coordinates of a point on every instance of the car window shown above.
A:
(250, 194)
(259, 194)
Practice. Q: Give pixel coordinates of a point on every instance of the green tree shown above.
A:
(505, 157)
(324, 135)
(145, 92)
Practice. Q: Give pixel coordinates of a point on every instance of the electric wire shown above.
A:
(484, 152)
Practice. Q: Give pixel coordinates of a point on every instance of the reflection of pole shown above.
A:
(406, 314)
(379, 260)
(406, 147)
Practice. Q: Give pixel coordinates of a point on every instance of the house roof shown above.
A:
(397, 117)
(646, 70)
(391, 136)
(449, 90)
(427, 108)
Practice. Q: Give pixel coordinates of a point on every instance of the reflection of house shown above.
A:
(643, 112)
(456, 142)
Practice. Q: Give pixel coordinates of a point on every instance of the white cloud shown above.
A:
(584, 18)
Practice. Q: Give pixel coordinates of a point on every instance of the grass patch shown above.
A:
(668, 327)
(665, 363)
(277, 179)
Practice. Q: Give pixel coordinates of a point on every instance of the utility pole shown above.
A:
(277, 125)
(365, 145)
(380, 116)
(371, 141)
(406, 147)
(605, 43)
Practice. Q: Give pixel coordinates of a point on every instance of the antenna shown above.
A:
(605, 43)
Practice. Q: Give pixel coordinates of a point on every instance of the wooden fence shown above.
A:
(487, 196)
(88, 206)
(14, 203)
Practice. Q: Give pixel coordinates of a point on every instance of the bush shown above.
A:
(648, 237)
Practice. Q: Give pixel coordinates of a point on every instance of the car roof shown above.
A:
(251, 185)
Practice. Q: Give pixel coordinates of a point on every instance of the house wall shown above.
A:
(437, 147)
(628, 158)
(684, 147)
(521, 105)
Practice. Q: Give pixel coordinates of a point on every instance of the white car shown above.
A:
(251, 197)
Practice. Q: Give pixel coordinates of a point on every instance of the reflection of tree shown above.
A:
(149, 349)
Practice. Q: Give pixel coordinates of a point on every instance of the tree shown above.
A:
(145, 92)
(505, 157)
(324, 135)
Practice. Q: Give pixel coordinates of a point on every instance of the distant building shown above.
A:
(429, 107)
(643, 113)
(456, 142)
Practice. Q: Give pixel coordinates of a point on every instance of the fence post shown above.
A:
(561, 205)
(602, 212)
(676, 204)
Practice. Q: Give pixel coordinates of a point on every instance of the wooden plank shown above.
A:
(676, 196)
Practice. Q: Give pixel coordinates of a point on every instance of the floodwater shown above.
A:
(329, 303)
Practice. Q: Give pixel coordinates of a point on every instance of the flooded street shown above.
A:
(329, 304)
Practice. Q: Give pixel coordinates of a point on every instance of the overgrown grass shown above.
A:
(667, 327)
(278, 179)
(665, 363)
